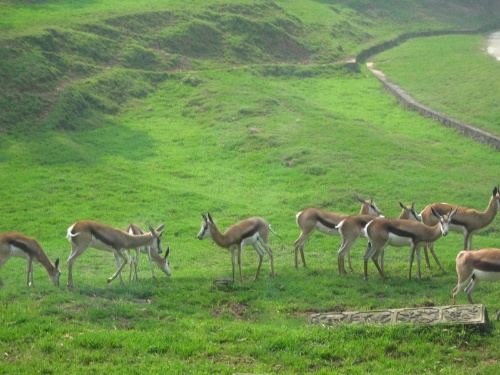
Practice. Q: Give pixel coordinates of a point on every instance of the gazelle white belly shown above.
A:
(486, 276)
(399, 241)
(99, 245)
(324, 229)
(250, 240)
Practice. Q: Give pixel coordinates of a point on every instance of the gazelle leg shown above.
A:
(431, 248)
(29, 272)
(470, 288)
(260, 252)
(118, 267)
(151, 266)
(118, 256)
(299, 247)
(239, 249)
(370, 251)
(271, 257)
(344, 248)
(233, 260)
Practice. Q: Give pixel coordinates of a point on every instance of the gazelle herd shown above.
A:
(412, 229)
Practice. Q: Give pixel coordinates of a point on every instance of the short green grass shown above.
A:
(256, 139)
(449, 65)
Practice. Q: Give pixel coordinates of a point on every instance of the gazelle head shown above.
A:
(410, 210)
(157, 236)
(445, 220)
(205, 227)
(370, 204)
(54, 276)
(165, 267)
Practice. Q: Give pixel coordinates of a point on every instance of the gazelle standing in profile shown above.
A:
(353, 227)
(22, 246)
(467, 220)
(252, 231)
(162, 262)
(86, 233)
(474, 266)
(396, 232)
(324, 221)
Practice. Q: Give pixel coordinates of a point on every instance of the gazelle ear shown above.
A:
(495, 190)
(402, 206)
(452, 213)
(151, 229)
(160, 228)
(204, 218)
(167, 252)
(57, 263)
(210, 218)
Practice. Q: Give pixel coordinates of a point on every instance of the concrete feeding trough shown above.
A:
(461, 314)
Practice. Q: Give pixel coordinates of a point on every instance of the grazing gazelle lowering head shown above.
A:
(22, 246)
(162, 262)
(84, 234)
(253, 231)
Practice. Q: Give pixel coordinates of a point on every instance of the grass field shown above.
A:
(226, 134)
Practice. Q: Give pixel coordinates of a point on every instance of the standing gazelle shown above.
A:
(354, 226)
(84, 234)
(250, 231)
(324, 221)
(467, 220)
(474, 266)
(152, 255)
(22, 246)
(397, 232)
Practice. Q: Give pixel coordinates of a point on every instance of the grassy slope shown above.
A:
(453, 64)
(237, 142)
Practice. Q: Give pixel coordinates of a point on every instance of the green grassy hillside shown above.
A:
(151, 112)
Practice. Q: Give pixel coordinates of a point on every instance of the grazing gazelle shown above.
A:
(84, 234)
(250, 231)
(22, 246)
(353, 227)
(474, 266)
(398, 232)
(467, 220)
(152, 255)
(324, 221)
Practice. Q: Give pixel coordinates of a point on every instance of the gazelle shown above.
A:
(152, 255)
(22, 246)
(84, 234)
(474, 266)
(324, 221)
(467, 220)
(397, 232)
(250, 231)
(353, 227)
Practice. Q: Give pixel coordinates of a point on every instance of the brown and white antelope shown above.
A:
(252, 231)
(22, 246)
(397, 232)
(474, 266)
(324, 221)
(354, 226)
(467, 220)
(86, 233)
(162, 262)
